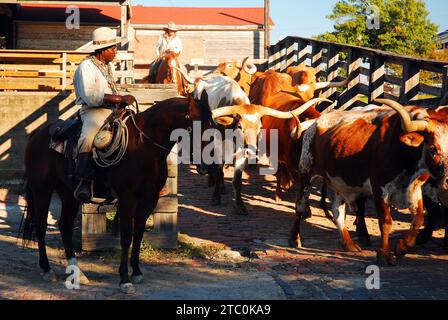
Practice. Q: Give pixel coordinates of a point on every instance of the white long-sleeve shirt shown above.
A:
(174, 44)
(90, 85)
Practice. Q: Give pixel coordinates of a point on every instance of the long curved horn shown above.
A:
(324, 85)
(250, 68)
(297, 112)
(186, 76)
(265, 111)
(297, 132)
(224, 112)
(407, 124)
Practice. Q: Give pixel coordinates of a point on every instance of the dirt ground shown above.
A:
(225, 256)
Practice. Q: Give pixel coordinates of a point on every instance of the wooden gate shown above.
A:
(369, 72)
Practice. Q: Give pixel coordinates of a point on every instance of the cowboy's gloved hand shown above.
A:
(127, 100)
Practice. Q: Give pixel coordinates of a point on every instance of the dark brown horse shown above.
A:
(136, 180)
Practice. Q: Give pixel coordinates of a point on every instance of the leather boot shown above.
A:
(84, 174)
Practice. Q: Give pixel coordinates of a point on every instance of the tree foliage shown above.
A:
(404, 26)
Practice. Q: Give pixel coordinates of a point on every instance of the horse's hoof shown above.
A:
(384, 260)
(127, 288)
(240, 210)
(365, 241)
(49, 276)
(401, 249)
(423, 237)
(352, 247)
(307, 214)
(278, 199)
(137, 279)
(295, 243)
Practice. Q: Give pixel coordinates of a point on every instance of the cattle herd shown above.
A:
(395, 154)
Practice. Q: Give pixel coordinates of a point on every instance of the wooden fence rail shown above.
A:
(370, 64)
(47, 70)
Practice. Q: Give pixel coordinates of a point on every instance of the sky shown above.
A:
(297, 17)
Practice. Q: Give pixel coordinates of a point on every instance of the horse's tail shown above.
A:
(27, 223)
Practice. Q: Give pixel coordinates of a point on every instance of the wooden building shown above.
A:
(443, 39)
(208, 34)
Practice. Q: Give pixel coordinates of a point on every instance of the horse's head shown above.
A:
(167, 72)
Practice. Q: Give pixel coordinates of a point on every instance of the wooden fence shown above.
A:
(47, 70)
(359, 62)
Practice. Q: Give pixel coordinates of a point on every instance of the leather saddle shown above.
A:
(64, 136)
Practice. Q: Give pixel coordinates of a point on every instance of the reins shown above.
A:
(151, 139)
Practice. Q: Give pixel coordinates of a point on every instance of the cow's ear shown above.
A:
(225, 121)
(412, 139)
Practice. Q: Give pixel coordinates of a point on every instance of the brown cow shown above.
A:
(241, 73)
(378, 152)
(286, 92)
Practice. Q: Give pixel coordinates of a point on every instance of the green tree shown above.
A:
(404, 26)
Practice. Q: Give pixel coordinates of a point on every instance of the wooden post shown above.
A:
(302, 52)
(274, 55)
(283, 52)
(64, 71)
(349, 97)
(291, 54)
(267, 36)
(316, 59)
(124, 22)
(332, 74)
(94, 232)
(411, 80)
(444, 95)
(376, 78)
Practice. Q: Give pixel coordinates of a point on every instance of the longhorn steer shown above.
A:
(285, 92)
(241, 73)
(224, 91)
(376, 152)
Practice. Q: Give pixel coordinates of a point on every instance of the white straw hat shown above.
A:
(171, 26)
(104, 37)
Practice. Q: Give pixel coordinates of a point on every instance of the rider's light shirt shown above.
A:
(163, 44)
(90, 85)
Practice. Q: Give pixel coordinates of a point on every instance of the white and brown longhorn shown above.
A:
(388, 155)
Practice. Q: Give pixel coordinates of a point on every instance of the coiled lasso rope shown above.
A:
(105, 158)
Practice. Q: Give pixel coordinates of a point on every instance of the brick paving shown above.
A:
(266, 269)
(319, 270)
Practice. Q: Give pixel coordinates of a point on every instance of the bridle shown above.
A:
(151, 139)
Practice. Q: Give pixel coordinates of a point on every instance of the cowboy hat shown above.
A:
(171, 26)
(103, 37)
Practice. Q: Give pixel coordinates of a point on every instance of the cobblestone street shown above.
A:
(256, 262)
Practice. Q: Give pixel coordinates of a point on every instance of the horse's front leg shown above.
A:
(144, 209)
(126, 210)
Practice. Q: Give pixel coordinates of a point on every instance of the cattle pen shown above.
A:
(371, 72)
